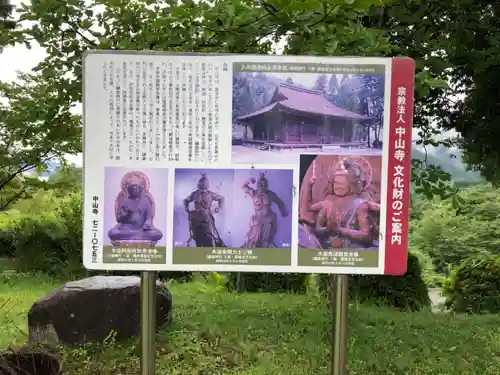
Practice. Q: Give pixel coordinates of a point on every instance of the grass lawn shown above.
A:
(215, 333)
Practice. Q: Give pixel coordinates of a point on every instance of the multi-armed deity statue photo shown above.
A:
(130, 212)
(230, 213)
(339, 205)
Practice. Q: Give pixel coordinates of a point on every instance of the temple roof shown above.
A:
(305, 100)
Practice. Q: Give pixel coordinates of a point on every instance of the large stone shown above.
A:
(88, 310)
(29, 363)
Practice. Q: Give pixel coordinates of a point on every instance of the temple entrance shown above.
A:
(302, 133)
(264, 131)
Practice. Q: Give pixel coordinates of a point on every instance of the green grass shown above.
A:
(215, 333)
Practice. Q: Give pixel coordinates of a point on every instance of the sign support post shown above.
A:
(340, 310)
(148, 323)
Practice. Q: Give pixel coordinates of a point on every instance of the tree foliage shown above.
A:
(252, 92)
(363, 94)
(458, 42)
(36, 126)
(321, 83)
(6, 9)
(66, 179)
(6, 21)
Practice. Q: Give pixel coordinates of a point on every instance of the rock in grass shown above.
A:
(29, 363)
(90, 310)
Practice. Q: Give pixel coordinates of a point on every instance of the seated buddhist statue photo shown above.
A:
(134, 212)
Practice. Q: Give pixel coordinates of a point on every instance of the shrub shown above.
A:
(450, 234)
(7, 233)
(406, 292)
(51, 243)
(38, 244)
(267, 282)
(474, 286)
(7, 242)
(179, 276)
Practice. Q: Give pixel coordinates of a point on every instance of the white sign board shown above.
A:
(246, 163)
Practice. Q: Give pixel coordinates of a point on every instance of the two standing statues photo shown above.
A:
(254, 206)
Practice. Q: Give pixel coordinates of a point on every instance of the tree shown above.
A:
(6, 21)
(321, 83)
(456, 42)
(6, 9)
(66, 179)
(251, 92)
(36, 126)
(371, 95)
(363, 94)
(239, 87)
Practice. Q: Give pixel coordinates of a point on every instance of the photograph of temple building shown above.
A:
(300, 115)
(292, 112)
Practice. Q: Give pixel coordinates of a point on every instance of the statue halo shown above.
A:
(137, 174)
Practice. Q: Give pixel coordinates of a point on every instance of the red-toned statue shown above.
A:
(264, 222)
(342, 219)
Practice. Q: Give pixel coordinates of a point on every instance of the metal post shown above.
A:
(340, 304)
(148, 323)
(238, 282)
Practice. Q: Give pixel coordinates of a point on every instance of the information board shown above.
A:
(246, 162)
